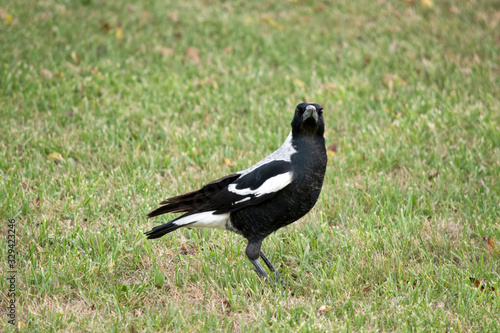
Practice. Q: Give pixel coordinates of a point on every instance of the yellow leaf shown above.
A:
(248, 20)
(272, 22)
(75, 58)
(324, 309)
(8, 19)
(427, 3)
(227, 161)
(56, 157)
(388, 80)
(119, 32)
(298, 83)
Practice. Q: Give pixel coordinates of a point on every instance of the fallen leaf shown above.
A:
(227, 161)
(8, 20)
(454, 10)
(324, 309)
(193, 54)
(367, 289)
(272, 22)
(105, 26)
(480, 284)
(432, 174)
(489, 243)
(75, 58)
(47, 74)
(366, 59)
(388, 80)
(119, 31)
(332, 147)
(427, 3)
(56, 157)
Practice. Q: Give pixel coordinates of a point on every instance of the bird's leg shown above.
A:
(261, 271)
(271, 267)
(253, 252)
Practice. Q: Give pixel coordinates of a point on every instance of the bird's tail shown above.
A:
(161, 230)
(195, 219)
(170, 226)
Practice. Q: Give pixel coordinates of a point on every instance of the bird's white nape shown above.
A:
(283, 153)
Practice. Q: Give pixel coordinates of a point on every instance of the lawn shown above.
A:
(108, 108)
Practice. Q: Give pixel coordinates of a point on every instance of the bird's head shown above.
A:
(308, 119)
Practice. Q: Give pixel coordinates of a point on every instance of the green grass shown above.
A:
(412, 100)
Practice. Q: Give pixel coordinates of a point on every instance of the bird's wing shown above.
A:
(233, 192)
(192, 200)
(253, 187)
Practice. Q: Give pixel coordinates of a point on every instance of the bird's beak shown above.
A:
(310, 112)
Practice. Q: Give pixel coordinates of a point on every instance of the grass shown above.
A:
(108, 108)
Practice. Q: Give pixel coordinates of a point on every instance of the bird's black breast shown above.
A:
(292, 202)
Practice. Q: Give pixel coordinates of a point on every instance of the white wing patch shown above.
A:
(242, 200)
(272, 185)
(205, 220)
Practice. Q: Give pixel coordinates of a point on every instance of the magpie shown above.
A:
(277, 191)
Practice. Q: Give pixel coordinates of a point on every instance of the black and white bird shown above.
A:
(277, 191)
